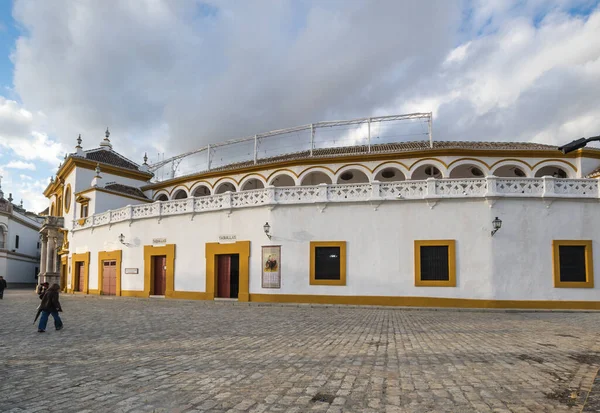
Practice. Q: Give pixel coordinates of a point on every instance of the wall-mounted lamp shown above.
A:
(267, 229)
(497, 223)
(122, 239)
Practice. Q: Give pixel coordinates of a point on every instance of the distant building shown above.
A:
(390, 223)
(19, 242)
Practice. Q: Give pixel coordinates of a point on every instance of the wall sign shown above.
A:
(224, 239)
(159, 241)
(131, 270)
(271, 266)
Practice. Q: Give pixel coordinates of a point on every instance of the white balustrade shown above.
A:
(493, 187)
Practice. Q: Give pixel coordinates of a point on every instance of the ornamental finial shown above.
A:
(145, 158)
(79, 142)
(97, 169)
(107, 133)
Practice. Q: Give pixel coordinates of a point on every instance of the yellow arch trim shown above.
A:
(428, 159)
(316, 167)
(202, 183)
(390, 163)
(225, 178)
(251, 175)
(350, 165)
(511, 160)
(555, 160)
(310, 170)
(282, 170)
(468, 159)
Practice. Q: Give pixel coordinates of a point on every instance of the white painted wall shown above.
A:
(515, 264)
(19, 266)
(103, 201)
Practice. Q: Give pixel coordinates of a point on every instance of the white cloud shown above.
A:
(20, 165)
(26, 188)
(172, 76)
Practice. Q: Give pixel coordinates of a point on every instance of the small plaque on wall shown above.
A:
(271, 267)
(131, 270)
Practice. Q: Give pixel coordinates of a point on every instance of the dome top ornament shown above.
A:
(106, 142)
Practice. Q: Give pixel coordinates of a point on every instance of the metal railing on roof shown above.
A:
(306, 138)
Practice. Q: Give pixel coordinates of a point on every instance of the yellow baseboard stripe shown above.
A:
(96, 292)
(134, 293)
(190, 295)
(424, 302)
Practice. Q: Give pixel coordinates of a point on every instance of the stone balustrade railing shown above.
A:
(430, 189)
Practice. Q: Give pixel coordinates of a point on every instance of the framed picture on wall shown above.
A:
(271, 266)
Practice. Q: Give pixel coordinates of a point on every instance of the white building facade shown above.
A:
(407, 224)
(19, 243)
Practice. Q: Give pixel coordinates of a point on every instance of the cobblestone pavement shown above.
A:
(156, 355)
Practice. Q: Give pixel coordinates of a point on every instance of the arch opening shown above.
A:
(353, 176)
(162, 197)
(467, 171)
(201, 190)
(553, 171)
(283, 180)
(251, 184)
(316, 178)
(225, 187)
(181, 194)
(390, 174)
(426, 171)
(510, 171)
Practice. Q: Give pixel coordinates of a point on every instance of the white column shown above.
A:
(50, 255)
(43, 253)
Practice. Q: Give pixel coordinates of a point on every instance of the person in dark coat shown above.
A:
(50, 305)
(2, 286)
(42, 288)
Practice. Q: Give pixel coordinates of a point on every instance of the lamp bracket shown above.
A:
(491, 202)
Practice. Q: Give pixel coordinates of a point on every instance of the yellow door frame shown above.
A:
(109, 256)
(151, 251)
(242, 248)
(83, 258)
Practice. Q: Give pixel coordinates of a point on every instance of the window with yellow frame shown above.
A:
(435, 263)
(573, 265)
(328, 263)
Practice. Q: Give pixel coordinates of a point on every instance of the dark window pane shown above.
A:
(572, 263)
(434, 263)
(327, 263)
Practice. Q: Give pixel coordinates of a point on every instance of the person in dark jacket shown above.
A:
(2, 286)
(42, 288)
(50, 305)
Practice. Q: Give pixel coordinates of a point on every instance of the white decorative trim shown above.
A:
(432, 190)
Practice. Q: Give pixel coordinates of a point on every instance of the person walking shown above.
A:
(42, 288)
(50, 305)
(2, 286)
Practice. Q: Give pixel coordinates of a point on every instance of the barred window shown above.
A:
(328, 263)
(435, 263)
(573, 264)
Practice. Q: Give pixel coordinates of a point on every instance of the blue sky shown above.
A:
(168, 76)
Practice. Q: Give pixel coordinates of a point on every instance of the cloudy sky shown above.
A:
(172, 75)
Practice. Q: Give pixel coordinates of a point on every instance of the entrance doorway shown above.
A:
(63, 275)
(109, 277)
(79, 276)
(228, 275)
(159, 274)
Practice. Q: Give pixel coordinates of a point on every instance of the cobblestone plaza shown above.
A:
(156, 355)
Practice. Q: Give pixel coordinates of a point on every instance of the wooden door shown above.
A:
(160, 274)
(109, 278)
(80, 276)
(223, 276)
